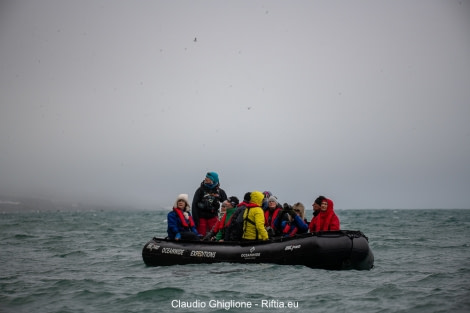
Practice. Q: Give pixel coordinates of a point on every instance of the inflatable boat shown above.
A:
(334, 250)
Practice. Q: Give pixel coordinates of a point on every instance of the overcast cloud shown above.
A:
(366, 102)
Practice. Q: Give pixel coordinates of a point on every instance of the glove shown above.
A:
(286, 208)
(208, 236)
(292, 213)
(271, 232)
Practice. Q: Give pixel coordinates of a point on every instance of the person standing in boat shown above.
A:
(220, 228)
(253, 219)
(270, 216)
(206, 203)
(326, 220)
(180, 223)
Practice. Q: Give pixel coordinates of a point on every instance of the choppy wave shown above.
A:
(91, 262)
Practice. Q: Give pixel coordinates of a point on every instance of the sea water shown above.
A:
(92, 262)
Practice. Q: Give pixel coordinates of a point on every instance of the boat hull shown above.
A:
(336, 250)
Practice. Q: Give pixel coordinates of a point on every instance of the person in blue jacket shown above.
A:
(180, 221)
(295, 222)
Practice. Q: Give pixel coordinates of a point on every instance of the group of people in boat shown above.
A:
(259, 216)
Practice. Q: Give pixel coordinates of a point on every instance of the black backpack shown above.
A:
(234, 231)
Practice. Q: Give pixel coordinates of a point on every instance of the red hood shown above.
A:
(323, 219)
(330, 205)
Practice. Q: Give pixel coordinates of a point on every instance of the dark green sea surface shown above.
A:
(92, 262)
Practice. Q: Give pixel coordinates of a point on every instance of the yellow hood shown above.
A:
(257, 197)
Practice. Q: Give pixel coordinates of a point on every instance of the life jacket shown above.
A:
(290, 230)
(183, 220)
(270, 217)
(220, 225)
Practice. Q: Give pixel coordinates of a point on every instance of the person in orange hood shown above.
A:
(326, 220)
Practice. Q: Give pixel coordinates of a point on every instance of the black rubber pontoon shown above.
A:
(335, 250)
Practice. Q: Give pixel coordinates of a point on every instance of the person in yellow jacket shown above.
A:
(253, 219)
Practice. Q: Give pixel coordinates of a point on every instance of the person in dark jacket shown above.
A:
(206, 203)
(266, 194)
(180, 222)
(234, 231)
(270, 215)
(317, 205)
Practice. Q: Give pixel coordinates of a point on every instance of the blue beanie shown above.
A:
(214, 177)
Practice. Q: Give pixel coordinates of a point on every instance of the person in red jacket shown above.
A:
(326, 220)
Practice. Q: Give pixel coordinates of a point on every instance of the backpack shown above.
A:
(234, 231)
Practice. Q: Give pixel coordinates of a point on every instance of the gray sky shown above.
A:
(365, 102)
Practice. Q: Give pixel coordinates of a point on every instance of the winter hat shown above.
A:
(267, 194)
(234, 201)
(214, 177)
(183, 197)
(273, 198)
